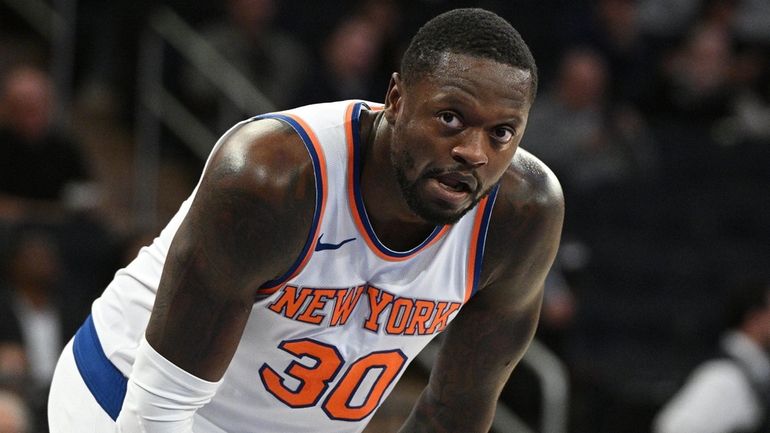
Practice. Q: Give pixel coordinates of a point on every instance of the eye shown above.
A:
(450, 119)
(503, 134)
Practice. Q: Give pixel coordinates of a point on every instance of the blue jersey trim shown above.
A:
(106, 383)
(319, 192)
(356, 124)
(483, 238)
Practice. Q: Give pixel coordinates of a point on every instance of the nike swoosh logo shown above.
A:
(320, 246)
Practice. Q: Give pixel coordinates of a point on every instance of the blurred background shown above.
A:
(655, 115)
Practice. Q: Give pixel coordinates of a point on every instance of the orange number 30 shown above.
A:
(315, 380)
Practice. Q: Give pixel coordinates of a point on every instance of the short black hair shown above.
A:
(472, 31)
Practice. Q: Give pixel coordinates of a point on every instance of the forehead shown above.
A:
(479, 77)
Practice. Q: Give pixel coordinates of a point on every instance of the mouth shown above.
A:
(457, 182)
(453, 189)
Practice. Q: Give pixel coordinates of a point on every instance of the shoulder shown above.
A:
(256, 200)
(527, 217)
(529, 184)
(721, 376)
(262, 158)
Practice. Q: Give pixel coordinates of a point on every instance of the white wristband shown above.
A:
(161, 397)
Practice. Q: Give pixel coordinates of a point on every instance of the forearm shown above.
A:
(430, 415)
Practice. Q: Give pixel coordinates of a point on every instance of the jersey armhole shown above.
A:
(313, 147)
(478, 239)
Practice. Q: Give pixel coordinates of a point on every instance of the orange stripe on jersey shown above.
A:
(474, 265)
(355, 213)
(322, 178)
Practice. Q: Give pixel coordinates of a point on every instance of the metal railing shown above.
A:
(157, 106)
(554, 384)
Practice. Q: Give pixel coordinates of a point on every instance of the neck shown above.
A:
(391, 218)
(757, 334)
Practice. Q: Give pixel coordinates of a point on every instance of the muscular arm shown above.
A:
(247, 224)
(492, 332)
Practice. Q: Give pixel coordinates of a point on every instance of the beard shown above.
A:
(402, 162)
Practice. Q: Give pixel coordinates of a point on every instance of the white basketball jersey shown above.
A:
(325, 343)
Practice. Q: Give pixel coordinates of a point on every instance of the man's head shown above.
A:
(474, 32)
(14, 414)
(583, 80)
(27, 101)
(458, 111)
(30, 259)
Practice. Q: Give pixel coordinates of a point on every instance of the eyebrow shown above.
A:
(467, 98)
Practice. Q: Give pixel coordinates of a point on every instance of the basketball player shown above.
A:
(324, 247)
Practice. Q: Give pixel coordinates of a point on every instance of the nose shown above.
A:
(471, 150)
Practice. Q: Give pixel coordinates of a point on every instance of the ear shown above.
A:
(393, 98)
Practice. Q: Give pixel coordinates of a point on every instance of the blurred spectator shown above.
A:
(716, 69)
(387, 17)
(41, 169)
(572, 129)
(14, 414)
(693, 110)
(275, 62)
(730, 393)
(667, 19)
(614, 31)
(694, 85)
(619, 39)
(749, 119)
(33, 278)
(350, 58)
(692, 93)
